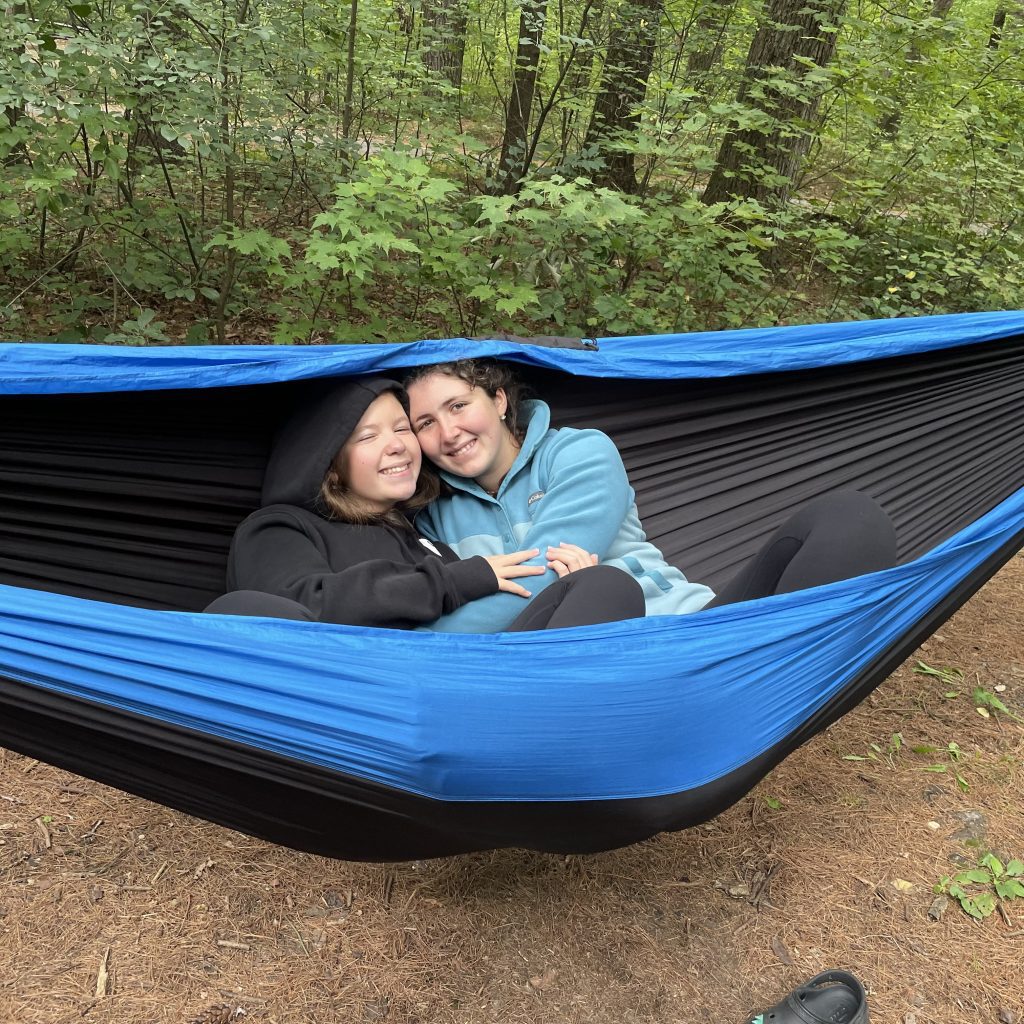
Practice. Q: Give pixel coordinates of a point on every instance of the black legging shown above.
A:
(835, 537)
(599, 593)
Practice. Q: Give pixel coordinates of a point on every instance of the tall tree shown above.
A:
(712, 21)
(890, 123)
(622, 90)
(444, 37)
(512, 165)
(795, 40)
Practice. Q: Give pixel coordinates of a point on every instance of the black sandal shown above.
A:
(832, 997)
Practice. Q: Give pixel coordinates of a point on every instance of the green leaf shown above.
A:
(976, 875)
(985, 903)
(1015, 868)
(970, 905)
(1009, 889)
(993, 863)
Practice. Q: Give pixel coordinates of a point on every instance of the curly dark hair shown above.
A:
(491, 375)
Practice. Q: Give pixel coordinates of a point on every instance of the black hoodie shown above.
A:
(379, 575)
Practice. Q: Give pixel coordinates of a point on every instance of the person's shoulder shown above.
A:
(579, 442)
(292, 516)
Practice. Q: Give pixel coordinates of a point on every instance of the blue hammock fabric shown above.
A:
(615, 715)
(75, 369)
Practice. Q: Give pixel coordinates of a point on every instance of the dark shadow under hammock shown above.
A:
(123, 474)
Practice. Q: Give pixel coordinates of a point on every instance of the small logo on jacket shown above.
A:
(536, 496)
(430, 547)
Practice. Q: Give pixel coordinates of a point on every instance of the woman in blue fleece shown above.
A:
(516, 484)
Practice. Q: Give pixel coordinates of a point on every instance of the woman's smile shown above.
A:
(461, 429)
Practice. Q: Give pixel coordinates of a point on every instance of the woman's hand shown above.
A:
(508, 567)
(567, 558)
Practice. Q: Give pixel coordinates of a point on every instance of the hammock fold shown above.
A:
(124, 471)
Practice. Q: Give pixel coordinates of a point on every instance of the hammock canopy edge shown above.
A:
(30, 368)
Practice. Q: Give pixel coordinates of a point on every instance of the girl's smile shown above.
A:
(460, 428)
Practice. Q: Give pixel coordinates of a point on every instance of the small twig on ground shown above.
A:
(47, 838)
(103, 976)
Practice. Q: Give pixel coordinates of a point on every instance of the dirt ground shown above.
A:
(119, 911)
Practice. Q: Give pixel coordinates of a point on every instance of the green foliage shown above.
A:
(198, 161)
(980, 890)
(876, 753)
(952, 763)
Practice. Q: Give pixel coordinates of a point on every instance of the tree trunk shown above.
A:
(350, 70)
(890, 124)
(623, 88)
(711, 25)
(444, 35)
(998, 24)
(759, 164)
(515, 144)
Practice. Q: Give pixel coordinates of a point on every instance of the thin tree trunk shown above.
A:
(890, 124)
(622, 90)
(350, 70)
(998, 25)
(515, 143)
(756, 164)
(444, 35)
(712, 22)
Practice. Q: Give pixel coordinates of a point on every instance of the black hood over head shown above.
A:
(307, 443)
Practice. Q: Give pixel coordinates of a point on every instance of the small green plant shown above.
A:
(950, 676)
(952, 765)
(986, 703)
(877, 753)
(979, 890)
(985, 700)
(145, 328)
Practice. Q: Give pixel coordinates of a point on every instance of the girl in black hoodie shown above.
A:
(333, 541)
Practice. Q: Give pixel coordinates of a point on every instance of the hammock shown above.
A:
(123, 473)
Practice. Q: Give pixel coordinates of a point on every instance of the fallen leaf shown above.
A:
(938, 907)
(902, 885)
(779, 949)
(202, 868)
(1007, 1016)
(983, 712)
(542, 982)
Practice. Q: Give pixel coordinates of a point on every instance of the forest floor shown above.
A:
(117, 911)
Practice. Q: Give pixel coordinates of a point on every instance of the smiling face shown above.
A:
(380, 462)
(460, 428)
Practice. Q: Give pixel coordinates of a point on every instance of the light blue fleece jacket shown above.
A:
(565, 486)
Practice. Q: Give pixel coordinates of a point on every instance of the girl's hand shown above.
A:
(508, 567)
(567, 558)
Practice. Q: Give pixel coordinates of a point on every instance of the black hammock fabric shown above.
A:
(129, 499)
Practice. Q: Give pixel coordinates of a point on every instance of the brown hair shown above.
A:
(491, 375)
(340, 503)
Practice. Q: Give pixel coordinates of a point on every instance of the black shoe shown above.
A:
(832, 997)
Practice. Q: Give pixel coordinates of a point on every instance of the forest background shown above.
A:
(259, 171)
